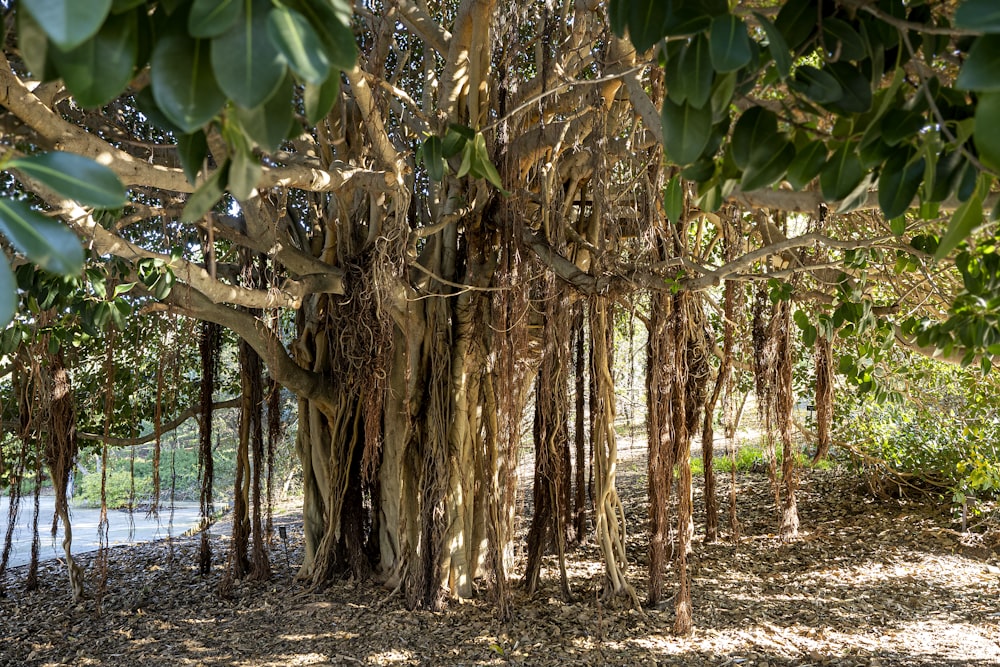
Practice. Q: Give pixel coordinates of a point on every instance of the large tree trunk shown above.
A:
(609, 515)
(824, 397)
(551, 439)
(659, 383)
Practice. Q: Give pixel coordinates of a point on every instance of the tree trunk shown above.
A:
(609, 516)
(551, 439)
(824, 397)
(659, 383)
(579, 434)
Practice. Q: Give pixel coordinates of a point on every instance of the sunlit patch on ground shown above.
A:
(879, 585)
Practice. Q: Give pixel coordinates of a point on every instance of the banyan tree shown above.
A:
(424, 219)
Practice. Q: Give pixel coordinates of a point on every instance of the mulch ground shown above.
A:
(869, 582)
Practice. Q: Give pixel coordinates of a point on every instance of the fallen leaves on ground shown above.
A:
(869, 582)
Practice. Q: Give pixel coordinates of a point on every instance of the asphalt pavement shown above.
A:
(122, 529)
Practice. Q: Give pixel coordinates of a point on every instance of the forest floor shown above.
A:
(869, 582)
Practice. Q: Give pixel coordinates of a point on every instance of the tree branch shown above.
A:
(164, 428)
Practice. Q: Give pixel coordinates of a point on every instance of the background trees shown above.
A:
(446, 194)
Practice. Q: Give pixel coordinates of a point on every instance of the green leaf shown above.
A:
(244, 172)
(192, 149)
(841, 174)
(818, 85)
(618, 16)
(467, 151)
(730, 43)
(686, 17)
(211, 18)
(122, 6)
(647, 22)
(673, 199)
(797, 20)
(483, 166)
(858, 196)
(967, 217)
(319, 99)
(900, 125)
(899, 182)
(686, 131)
(74, 177)
(332, 20)
(98, 70)
(809, 335)
(47, 242)
(433, 158)
(700, 172)
(184, 86)
(978, 15)
(123, 288)
(299, 44)
(268, 124)
(898, 225)
(768, 166)
(696, 70)
(808, 162)
(68, 23)
(842, 41)
(981, 70)
(755, 128)
(35, 48)
(207, 195)
(776, 46)
(8, 295)
(986, 134)
(947, 170)
(857, 90)
(246, 63)
(722, 95)
(145, 103)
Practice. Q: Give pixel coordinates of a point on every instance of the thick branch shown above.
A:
(425, 27)
(165, 428)
(106, 243)
(282, 368)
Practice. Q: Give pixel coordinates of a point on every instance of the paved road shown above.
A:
(84, 522)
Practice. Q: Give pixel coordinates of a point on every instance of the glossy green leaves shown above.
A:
(987, 130)
(899, 182)
(649, 21)
(247, 64)
(730, 43)
(966, 218)
(686, 131)
(184, 86)
(202, 54)
(68, 23)
(97, 70)
(299, 44)
(981, 71)
(978, 16)
(842, 173)
(211, 18)
(44, 240)
(74, 177)
(470, 146)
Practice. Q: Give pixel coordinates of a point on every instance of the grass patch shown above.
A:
(748, 457)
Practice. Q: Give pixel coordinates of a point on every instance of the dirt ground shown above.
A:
(878, 583)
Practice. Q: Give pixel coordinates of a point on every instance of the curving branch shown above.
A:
(281, 366)
(192, 411)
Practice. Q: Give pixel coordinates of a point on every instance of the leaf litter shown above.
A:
(870, 582)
